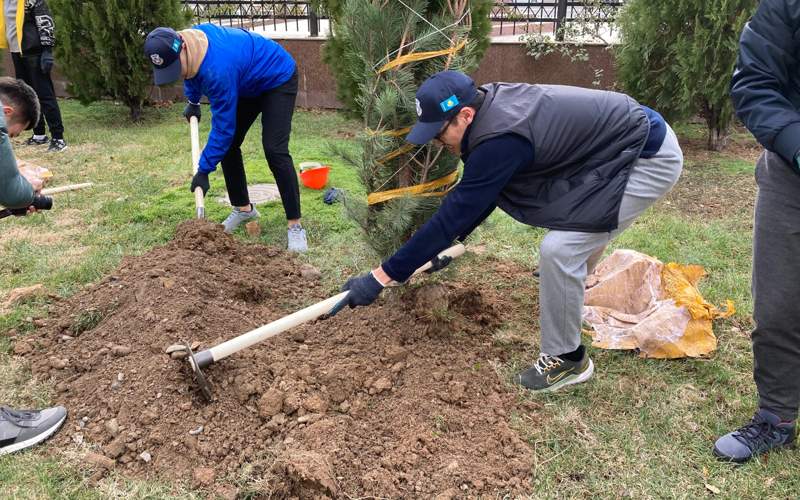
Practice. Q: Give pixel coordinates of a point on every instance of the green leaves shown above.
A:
(100, 46)
(678, 56)
(367, 35)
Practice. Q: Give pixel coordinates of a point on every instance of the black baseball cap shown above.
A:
(439, 99)
(163, 47)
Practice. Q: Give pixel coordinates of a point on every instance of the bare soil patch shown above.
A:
(391, 400)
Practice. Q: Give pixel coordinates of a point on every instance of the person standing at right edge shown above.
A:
(765, 94)
(29, 32)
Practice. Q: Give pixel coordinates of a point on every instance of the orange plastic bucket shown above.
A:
(313, 175)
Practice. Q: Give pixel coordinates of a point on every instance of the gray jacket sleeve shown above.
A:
(15, 190)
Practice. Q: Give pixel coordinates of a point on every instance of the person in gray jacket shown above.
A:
(582, 163)
(20, 429)
(20, 107)
(766, 96)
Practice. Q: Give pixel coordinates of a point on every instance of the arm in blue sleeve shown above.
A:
(486, 172)
(766, 65)
(482, 217)
(224, 97)
(192, 91)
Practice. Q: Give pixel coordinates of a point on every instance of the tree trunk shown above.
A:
(717, 135)
(717, 139)
(136, 111)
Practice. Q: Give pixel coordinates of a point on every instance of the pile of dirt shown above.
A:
(398, 399)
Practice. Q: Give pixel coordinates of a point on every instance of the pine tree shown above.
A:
(340, 47)
(367, 35)
(100, 46)
(678, 57)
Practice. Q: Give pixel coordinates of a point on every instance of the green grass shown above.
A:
(642, 428)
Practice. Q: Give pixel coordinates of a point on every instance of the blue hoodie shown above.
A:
(238, 63)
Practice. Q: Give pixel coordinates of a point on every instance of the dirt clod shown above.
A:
(253, 228)
(270, 404)
(120, 350)
(112, 426)
(204, 476)
(98, 460)
(310, 272)
(22, 348)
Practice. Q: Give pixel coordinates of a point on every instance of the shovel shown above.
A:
(327, 307)
(199, 202)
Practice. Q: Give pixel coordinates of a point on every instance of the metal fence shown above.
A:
(509, 17)
(512, 17)
(273, 15)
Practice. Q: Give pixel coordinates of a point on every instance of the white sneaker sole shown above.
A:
(34, 440)
(571, 380)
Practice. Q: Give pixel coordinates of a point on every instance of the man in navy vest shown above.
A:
(765, 94)
(582, 163)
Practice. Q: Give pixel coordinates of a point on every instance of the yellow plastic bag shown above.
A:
(637, 302)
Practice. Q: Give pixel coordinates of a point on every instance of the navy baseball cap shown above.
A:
(163, 47)
(439, 99)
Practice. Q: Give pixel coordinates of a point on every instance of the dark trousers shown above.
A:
(776, 286)
(28, 68)
(276, 107)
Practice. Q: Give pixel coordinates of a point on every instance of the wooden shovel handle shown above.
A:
(199, 199)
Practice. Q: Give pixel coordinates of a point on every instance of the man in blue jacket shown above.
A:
(766, 95)
(583, 163)
(242, 74)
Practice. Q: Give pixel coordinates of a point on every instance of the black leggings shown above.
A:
(276, 107)
(28, 69)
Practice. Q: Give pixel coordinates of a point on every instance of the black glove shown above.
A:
(200, 180)
(191, 110)
(47, 60)
(363, 290)
(439, 263)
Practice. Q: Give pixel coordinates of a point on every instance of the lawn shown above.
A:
(641, 428)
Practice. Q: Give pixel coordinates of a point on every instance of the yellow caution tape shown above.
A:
(421, 190)
(389, 133)
(420, 56)
(397, 152)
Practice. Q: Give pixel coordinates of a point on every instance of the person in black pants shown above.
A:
(32, 54)
(276, 107)
(242, 74)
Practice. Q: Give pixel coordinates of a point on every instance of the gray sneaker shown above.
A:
(764, 433)
(551, 373)
(297, 239)
(21, 429)
(239, 217)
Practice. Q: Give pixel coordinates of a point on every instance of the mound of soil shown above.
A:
(398, 399)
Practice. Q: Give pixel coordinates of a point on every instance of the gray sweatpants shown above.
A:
(566, 257)
(776, 284)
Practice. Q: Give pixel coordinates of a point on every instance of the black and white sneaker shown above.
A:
(20, 429)
(57, 145)
(33, 141)
(551, 373)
